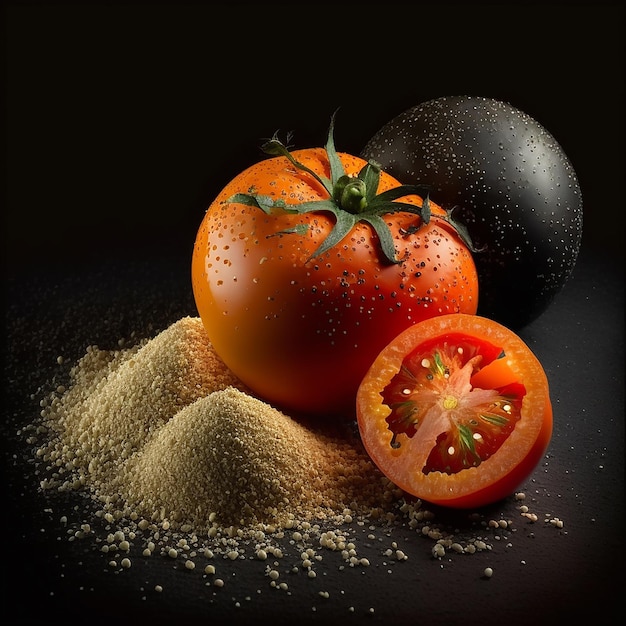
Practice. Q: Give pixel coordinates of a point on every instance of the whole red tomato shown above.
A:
(301, 273)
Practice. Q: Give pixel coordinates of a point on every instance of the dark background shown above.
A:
(122, 122)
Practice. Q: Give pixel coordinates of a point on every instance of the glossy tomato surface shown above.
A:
(300, 329)
(456, 411)
(514, 186)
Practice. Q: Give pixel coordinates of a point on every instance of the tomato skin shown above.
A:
(301, 332)
(497, 476)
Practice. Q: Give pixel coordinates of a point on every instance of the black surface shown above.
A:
(116, 119)
(545, 574)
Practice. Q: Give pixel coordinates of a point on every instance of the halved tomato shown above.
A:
(456, 411)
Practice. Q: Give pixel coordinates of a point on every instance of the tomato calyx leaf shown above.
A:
(461, 229)
(351, 199)
(266, 203)
(275, 147)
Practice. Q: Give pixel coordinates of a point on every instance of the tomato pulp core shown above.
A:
(432, 397)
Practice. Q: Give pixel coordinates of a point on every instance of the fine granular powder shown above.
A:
(179, 459)
(165, 431)
(247, 463)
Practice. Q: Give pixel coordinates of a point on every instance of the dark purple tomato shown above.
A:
(512, 185)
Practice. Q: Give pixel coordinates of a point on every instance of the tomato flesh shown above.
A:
(433, 389)
(456, 410)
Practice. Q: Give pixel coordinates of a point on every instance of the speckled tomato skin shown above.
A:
(301, 331)
(515, 189)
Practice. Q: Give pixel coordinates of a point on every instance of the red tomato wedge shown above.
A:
(456, 411)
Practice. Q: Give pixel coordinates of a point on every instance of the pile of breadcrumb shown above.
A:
(180, 460)
(165, 431)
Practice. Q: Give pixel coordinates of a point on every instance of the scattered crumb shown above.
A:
(180, 461)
